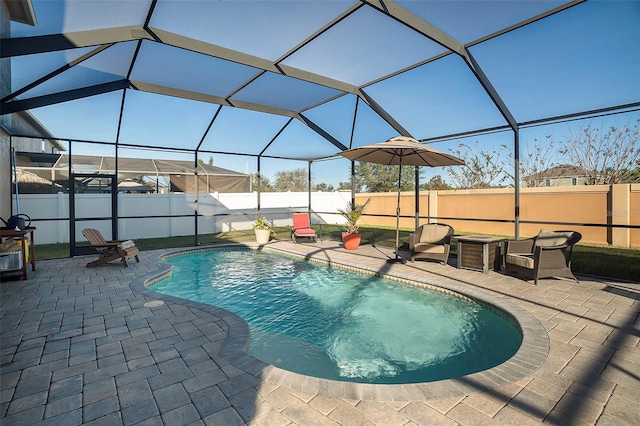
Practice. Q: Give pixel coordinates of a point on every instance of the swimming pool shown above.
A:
(331, 323)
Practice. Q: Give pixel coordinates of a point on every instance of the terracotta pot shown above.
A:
(351, 241)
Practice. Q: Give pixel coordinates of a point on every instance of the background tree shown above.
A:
(323, 187)
(209, 162)
(344, 186)
(370, 177)
(634, 176)
(265, 185)
(535, 159)
(483, 169)
(608, 157)
(291, 180)
(436, 183)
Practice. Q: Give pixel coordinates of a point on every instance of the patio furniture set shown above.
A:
(546, 255)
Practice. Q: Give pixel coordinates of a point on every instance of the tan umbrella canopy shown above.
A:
(401, 151)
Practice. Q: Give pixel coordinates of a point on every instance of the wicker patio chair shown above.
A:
(547, 255)
(431, 241)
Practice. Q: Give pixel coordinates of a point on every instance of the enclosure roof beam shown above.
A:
(383, 113)
(19, 46)
(426, 29)
(55, 98)
(322, 132)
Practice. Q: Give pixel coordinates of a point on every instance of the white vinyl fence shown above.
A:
(150, 215)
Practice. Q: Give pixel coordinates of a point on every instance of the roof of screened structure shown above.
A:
(306, 79)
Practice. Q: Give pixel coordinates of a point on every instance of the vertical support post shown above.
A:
(516, 184)
(417, 192)
(115, 217)
(61, 229)
(195, 201)
(115, 222)
(72, 203)
(259, 184)
(309, 190)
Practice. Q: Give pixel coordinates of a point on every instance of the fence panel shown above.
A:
(489, 211)
(634, 214)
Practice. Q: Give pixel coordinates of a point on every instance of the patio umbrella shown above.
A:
(401, 151)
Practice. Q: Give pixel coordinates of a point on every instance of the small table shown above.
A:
(22, 234)
(479, 252)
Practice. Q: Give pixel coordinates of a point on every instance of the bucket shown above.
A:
(25, 247)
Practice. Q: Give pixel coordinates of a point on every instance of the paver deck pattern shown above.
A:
(94, 346)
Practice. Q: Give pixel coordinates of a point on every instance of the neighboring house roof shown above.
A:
(559, 171)
(132, 186)
(27, 177)
(217, 178)
(135, 166)
(41, 130)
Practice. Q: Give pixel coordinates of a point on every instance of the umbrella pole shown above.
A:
(398, 258)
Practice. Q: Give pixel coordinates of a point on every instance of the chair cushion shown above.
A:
(547, 238)
(428, 248)
(433, 233)
(305, 231)
(524, 260)
(127, 244)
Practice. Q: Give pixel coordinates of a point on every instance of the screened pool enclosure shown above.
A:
(266, 86)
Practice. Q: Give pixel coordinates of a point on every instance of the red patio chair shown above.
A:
(302, 227)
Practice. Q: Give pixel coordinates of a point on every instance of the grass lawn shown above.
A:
(611, 262)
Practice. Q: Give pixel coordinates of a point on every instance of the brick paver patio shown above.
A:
(94, 346)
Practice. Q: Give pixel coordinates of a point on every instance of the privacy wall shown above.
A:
(587, 209)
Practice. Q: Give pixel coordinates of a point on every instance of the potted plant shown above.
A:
(263, 229)
(352, 213)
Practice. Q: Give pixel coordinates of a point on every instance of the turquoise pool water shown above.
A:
(336, 324)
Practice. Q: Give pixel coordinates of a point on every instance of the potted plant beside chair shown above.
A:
(352, 213)
(263, 229)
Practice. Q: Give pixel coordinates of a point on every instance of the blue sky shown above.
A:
(585, 58)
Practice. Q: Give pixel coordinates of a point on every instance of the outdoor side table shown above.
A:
(479, 252)
(22, 235)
